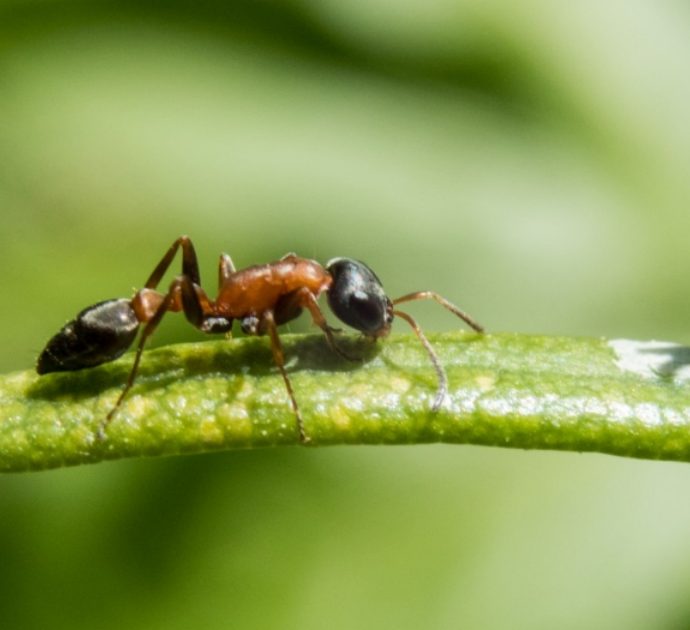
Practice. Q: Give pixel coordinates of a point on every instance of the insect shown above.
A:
(260, 297)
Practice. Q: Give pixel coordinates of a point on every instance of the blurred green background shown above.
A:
(527, 159)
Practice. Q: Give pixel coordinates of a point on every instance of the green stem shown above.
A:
(619, 397)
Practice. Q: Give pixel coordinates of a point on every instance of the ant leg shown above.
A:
(170, 299)
(225, 269)
(304, 298)
(424, 295)
(442, 391)
(199, 310)
(190, 266)
(195, 304)
(268, 323)
(147, 300)
(309, 301)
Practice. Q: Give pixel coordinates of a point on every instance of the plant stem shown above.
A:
(619, 397)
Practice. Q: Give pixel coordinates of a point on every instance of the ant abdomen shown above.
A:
(100, 333)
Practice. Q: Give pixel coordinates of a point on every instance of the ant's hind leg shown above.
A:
(190, 265)
(170, 300)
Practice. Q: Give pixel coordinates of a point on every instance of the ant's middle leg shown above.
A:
(268, 324)
(199, 310)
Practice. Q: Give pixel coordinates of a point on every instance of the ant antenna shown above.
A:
(442, 391)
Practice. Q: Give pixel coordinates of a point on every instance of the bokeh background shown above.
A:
(528, 159)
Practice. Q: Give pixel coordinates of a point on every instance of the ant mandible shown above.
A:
(261, 297)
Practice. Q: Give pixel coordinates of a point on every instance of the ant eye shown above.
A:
(357, 297)
(98, 334)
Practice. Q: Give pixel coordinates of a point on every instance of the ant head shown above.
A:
(100, 333)
(357, 298)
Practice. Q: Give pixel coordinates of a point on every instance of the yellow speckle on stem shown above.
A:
(485, 382)
(399, 385)
(245, 391)
(234, 416)
(139, 407)
(339, 417)
(210, 432)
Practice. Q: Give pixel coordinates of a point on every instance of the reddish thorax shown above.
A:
(258, 288)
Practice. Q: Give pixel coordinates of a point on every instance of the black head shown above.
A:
(357, 297)
(100, 333)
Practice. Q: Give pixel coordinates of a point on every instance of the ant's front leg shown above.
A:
(291, 306)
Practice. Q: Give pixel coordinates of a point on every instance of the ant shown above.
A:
(261, 297)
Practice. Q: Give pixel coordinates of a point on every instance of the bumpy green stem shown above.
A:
(613, 396)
